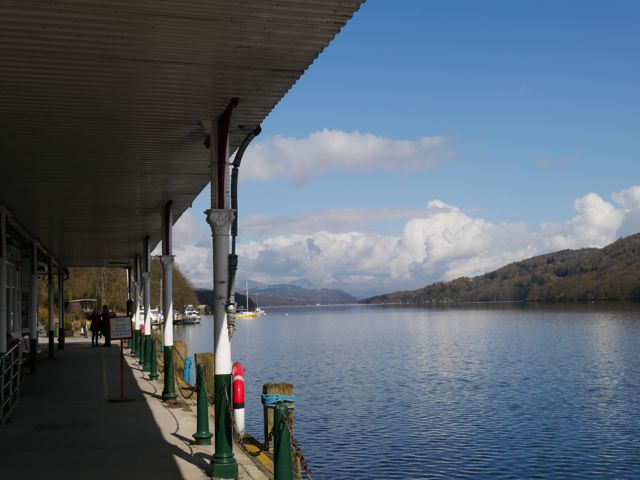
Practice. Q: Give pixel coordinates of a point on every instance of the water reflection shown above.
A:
(451, 393)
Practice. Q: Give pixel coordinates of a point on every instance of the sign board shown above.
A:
(120, 327)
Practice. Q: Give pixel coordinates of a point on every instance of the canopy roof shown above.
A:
(101, 102)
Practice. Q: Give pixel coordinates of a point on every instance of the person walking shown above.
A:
(106, 325)
(94, 326)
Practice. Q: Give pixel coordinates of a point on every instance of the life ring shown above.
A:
(238, 397)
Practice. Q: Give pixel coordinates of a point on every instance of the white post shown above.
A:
(167, 300)
(3, 281)
(137, 292)
(220, 222)
(146, 275)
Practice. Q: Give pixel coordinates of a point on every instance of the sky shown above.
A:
(438, 139)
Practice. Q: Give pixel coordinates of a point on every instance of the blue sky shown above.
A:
(518, 121)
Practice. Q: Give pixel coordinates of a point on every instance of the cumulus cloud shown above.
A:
(438, 242)
(302, 159)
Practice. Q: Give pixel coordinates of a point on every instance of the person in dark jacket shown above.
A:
(94, 326)
(105, 325)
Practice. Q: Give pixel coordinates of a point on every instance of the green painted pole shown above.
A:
(146, 358)
(282, 466)
(223, 463)
(202, 435)
(169, 391)
(153, 368)
(141, 348)
(133, 342)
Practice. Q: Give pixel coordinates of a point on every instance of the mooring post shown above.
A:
(169, 390)
(272, 394)
(202, 435)
(282, 465)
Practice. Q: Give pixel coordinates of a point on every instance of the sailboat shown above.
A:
(246, 313)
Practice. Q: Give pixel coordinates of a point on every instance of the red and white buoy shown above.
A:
(238, 397)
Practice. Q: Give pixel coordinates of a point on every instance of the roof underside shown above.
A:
(101, 102)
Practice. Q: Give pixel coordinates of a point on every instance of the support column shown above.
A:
(33, 310)
(220, 216)
(146, 275)
(169, 390)
(3, 281)
(61, 308)
(52, 322)
(136, 308)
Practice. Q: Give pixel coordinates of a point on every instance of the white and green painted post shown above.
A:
(33, 310)
(136, 351)
(3, 281)
(146, 275)
(52, 322)
(169, 390)
(219, 217)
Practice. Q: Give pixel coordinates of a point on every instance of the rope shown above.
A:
(271, 399)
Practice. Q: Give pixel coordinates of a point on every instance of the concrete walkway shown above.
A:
(65, 427)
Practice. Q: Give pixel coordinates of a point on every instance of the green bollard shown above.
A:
(134, 341)
(141, 349)
(146, 358)
(169, 391)
(223, 463)
(153, 372)
(282, 466)
(202, 435)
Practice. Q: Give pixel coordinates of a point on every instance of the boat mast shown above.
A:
(246, 286)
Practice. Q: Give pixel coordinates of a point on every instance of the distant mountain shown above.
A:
(280, 295)
(205, 297)
(283, 295)
(589, 274)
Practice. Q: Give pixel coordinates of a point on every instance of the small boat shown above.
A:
(156, 316)
(190, 315)
(245, 312)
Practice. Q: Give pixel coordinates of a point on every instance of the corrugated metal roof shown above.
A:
(100, 102)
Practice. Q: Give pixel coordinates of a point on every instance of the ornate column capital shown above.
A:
(167, 261)
(220, 219)
(146, 275)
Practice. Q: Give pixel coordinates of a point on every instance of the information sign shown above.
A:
(120, 328)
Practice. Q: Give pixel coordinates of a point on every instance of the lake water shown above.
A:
(392, 392)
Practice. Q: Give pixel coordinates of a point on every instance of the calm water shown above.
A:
(388, 393)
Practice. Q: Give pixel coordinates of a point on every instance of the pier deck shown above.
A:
(65, 427)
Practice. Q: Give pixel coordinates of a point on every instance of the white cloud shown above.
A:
(302, 159)
(438, 242)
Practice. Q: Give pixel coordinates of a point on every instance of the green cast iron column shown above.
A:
(223, 463)
(202, 435)
(169, 391)
(153, 370)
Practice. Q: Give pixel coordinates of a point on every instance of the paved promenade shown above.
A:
(65, 426)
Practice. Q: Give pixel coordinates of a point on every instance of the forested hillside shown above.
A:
(109, 286)
(590, 274)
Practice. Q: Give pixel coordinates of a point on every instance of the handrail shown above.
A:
(10, 363)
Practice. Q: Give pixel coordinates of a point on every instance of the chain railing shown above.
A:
(9, 381)
(264, 447)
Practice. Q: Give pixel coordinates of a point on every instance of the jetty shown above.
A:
(66, 416)
(115, 116)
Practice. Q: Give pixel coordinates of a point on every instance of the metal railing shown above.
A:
(9, 381)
